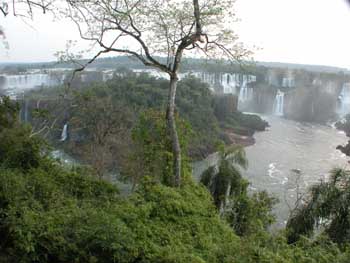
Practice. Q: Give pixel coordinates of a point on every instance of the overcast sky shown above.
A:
(296, 31)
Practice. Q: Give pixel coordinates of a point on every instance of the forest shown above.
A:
(54, 212)
(156, 137)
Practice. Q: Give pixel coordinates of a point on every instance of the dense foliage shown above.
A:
(135, 93)
(50, 213)
(246, 213)
(53, 213)
(102, 117)
(327, 208)
(152, 155)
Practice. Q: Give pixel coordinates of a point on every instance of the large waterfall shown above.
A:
(344, 100)
(229, 82)
(64, 135)
(15, 84)
(278, 105)
(246, 93)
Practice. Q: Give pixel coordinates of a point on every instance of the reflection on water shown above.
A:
(287, 145)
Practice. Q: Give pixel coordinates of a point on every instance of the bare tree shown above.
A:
(149, 29)
(295, 184)
(105, 124)
(25, 8)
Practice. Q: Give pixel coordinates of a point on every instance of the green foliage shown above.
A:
(250, 214)
(244, 124)
(136, 93)
(153, 155)
(225, 180)
(195, 104)
(17, 148)
(100, 126)
(51, 215)
(247, 214)
(274, 249)
(8, 113)
(327, 206)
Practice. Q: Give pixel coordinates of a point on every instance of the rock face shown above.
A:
(225, 105)
(344, 149)
(344, 125)
(296, 94)
(263, 100)
(239, 139)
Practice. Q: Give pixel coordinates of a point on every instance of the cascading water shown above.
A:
(344, 100)
(15, 84)
(64, 135)
(278, 105)
(245, 92)
(107, 75)
(229, 83)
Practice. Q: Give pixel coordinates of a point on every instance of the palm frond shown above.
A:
(237, 155)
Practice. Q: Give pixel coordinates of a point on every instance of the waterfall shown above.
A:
(64, 134)
(228, 83)
(278, 105)
(244, 92)
(15, 84)
(107, 75)
(344, 100)
(288, 82)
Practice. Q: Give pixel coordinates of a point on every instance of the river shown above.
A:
(287, 145)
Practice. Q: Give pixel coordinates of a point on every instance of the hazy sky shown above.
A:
(297, 31)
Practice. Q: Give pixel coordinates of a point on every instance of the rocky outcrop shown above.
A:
(344, 149)
(238, 139)
(225, 105)
(344, 125)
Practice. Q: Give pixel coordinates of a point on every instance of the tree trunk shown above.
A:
(227, 195)
(171, 124)
(224, 202)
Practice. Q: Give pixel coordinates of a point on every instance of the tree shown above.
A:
(247, 214)
(152, 156)
(326, 207)
(224, 180)
(17, 148)
(102, 122)
(159, 27)
(24, 8)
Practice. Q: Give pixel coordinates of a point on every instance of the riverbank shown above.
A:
(238, 139)
(288, 145)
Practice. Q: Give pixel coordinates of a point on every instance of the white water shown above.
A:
(229, 82)
(278, 105)
(16, 84)
(287, 145)
(288, 82)
(243, 93)
(64, 134)
(344, 100)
